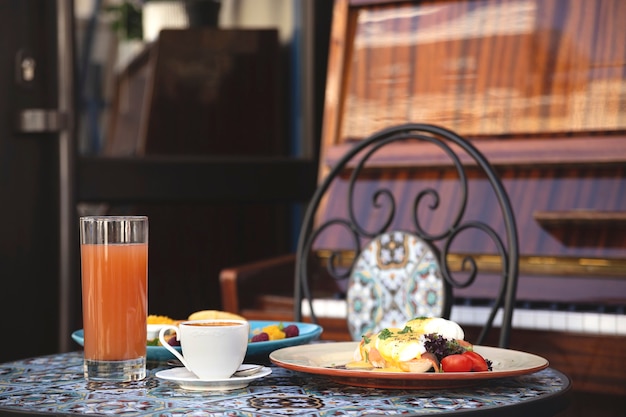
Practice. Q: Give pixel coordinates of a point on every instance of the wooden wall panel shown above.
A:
(487, 67)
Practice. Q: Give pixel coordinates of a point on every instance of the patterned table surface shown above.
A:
(55, 385)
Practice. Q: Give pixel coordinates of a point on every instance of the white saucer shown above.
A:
(189, 381)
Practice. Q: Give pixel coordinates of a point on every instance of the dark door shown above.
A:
(35, 190)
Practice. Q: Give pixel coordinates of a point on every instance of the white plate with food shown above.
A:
(330, 359)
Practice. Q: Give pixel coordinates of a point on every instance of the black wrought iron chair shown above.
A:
(398, 267)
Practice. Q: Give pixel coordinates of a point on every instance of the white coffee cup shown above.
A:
(211, 349)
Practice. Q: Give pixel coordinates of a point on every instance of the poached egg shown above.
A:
(392, 346)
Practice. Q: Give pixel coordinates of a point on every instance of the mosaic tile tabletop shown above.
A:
(55, 385)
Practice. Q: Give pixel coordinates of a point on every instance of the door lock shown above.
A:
(25, 65)
(28, 69)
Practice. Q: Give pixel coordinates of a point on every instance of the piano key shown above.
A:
(575, 322)
(558, 320)
(608, 324)
(591, 322)
(326, 307)
(620, 326)
(566, 318)
(542, 319)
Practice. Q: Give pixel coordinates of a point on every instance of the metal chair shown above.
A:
(369, 218)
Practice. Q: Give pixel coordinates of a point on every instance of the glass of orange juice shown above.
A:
(114, 270)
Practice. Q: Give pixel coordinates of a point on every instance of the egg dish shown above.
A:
(417, 347)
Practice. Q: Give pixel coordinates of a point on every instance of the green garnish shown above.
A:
(407, 329)
(384, 334)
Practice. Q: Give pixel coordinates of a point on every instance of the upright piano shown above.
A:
(540, 88)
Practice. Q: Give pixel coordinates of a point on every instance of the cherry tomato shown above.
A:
(457, 363)
(478, 362)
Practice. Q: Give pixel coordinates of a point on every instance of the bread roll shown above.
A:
(214, 314)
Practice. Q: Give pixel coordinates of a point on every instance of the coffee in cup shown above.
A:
(211, 349)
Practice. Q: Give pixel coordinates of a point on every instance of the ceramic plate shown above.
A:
(328, 359)
(189, 381)
(308, 332)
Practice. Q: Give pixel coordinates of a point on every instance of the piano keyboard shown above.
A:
(557, 318)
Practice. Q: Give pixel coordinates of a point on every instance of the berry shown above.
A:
(173, 342)
(291, 331)
(261, 337)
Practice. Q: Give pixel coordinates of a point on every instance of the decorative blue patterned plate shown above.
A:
(308, 332)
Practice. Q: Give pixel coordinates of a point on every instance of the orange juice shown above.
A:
(115, 276)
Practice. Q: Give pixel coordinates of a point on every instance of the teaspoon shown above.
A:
(247, 370)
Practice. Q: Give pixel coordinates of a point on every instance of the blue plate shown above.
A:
(308, 332)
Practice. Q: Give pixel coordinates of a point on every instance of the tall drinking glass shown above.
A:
(114, 261)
